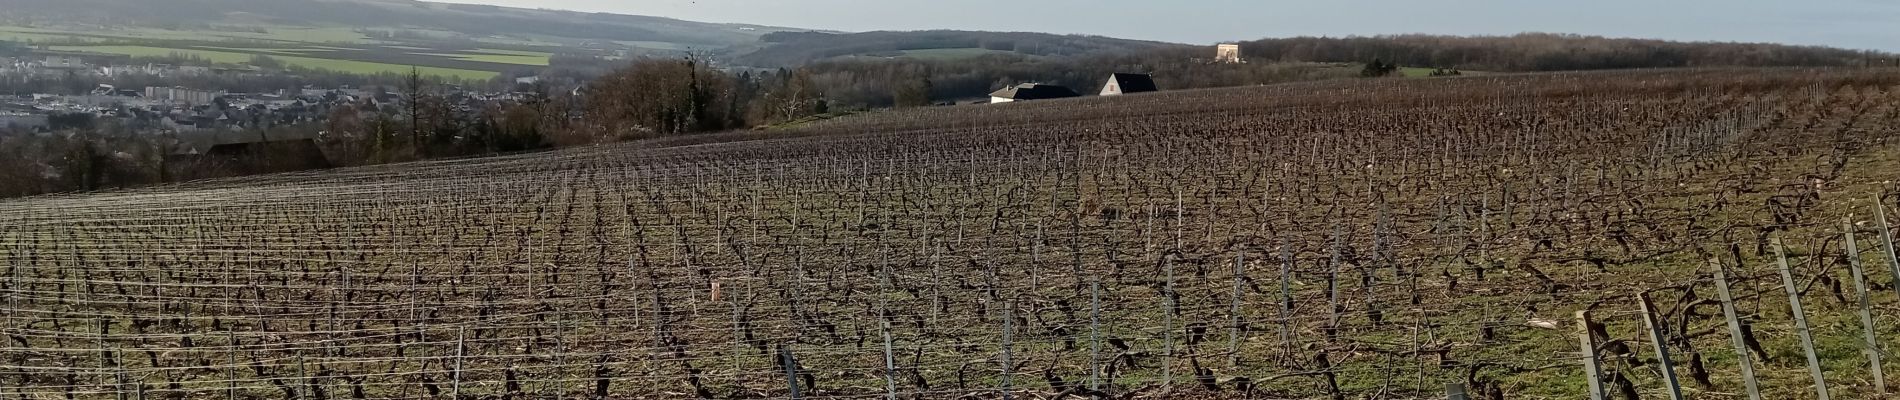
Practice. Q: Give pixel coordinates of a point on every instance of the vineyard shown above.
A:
(1376, 239)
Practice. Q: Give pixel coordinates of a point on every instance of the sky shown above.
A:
(1854, 24)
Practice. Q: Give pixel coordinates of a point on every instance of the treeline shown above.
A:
(876, 83)
(860, 82)
(797, 48)
(660, 97)
(1552, 52)
(666, 97)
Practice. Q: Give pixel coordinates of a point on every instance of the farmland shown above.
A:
(277, 34)
(289, 57)
(225, 57)
(499, 56)
(332, 49)
(1348, 239)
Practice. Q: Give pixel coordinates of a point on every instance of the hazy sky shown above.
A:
(1859, 24)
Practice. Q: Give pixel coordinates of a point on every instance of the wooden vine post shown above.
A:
(1591, 371)
(1801, 321)
(1871, 345)
(1735, 332)
(1653, 322)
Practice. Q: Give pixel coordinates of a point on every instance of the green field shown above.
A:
(274, 52)
(345, 66)
(338, 49)
(534, 58)
(513, 52)
(1422, 72)
(364, 67)
(10, 34)
(293, 46)
(517, 41)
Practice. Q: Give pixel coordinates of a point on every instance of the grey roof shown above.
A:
(1135, 83)
(1034, 91)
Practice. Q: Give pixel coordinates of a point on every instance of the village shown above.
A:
(173, 109)
(281, 129)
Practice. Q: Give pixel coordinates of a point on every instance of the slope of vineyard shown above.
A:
(1365, 239)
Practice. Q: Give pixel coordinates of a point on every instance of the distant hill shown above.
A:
(460, 18)
(1531, 52)
(483, 41)
(797, 48)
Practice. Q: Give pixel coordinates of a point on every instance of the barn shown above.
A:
(1031, 91)
(1120, 84)
(248, 157)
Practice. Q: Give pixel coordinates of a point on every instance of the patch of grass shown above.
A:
(536, 60)
(516, 41)
(280, 51)
(371, 68)
(512, 52)
(1423, 72)
(10, 34)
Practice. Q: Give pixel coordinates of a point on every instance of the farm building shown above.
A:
(1120, 84)
(251, 157)
(1031, 91)
(182, 95)
(1227, 53)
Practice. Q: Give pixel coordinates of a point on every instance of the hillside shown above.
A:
(472, 20)
(1554, 52)
(796, 48)
(1345, 239)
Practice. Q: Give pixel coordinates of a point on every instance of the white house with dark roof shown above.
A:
(1031, 91)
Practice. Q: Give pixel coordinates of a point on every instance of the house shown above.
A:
(1120, 84)
(1227, 53)
(23, 122)
(251, 157)
(182, 95)
(1031, 91)
(64, 62)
